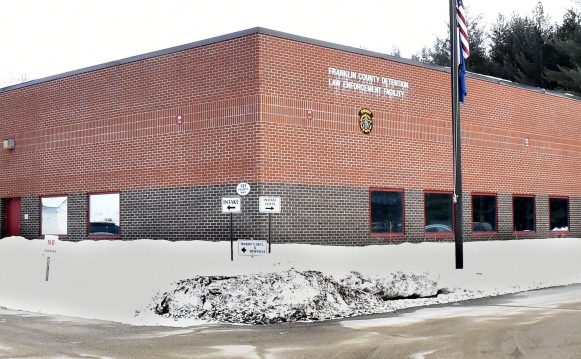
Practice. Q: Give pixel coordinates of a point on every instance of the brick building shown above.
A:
(147, 146)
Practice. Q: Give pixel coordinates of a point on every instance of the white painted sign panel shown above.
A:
(252, 247)
(50, 242)
(243, 189)
(268, 204)
(231, 205)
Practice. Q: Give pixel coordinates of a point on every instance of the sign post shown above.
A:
(50, 250)
(231, 205)
(270, 205)
(456, 136)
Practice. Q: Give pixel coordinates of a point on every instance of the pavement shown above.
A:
(537, 324)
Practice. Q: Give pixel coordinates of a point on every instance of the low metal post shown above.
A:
(269, 230)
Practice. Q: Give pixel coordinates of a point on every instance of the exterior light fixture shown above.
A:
(8, 144)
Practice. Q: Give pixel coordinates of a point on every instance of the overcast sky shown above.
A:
(46, 37)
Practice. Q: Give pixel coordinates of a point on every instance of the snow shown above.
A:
(124, 280)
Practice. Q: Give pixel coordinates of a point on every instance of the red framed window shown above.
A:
(438, 213)
(386, 212)
(523, 213)
(53, 215)
(484, 213)
(559, 214)
(104, 215)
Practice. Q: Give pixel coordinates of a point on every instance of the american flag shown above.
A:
(463, 49)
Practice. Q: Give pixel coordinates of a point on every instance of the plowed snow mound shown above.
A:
(287, 296)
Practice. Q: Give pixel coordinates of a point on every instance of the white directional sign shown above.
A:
(243, 189)
(231, 205)
(268, 204)
(252, 247)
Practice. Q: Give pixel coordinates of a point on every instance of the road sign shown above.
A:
(267, 204)
(51, 242)
(252, 247)
(49, 251)
(231, 205)
(243, 189)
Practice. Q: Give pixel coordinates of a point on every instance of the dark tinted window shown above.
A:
(559, 214)
(386, 212)
(438, 208)
(484, 213)
(524, 214)
(104, 228)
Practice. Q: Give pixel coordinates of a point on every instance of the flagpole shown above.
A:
(456, 138)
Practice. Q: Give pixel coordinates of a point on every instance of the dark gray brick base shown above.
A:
(77, 217)
(542, 223)
(30, 228)
(575, 216)
(310, 214)
(318, 215)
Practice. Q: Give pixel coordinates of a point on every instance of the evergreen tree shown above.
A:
(439, 53)
(524, 49)
(565, 73)
(479, 61)
(521, 48)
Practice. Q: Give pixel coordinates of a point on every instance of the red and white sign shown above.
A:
(50, 244)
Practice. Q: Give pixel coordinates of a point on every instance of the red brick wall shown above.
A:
(411, 144)
(117, 128)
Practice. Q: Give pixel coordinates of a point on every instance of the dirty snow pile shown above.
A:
(288, 296)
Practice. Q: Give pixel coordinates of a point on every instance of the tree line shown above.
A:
(525, 49)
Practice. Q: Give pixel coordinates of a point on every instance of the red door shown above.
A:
(12, 217)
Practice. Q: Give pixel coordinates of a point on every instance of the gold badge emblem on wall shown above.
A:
(365, 120)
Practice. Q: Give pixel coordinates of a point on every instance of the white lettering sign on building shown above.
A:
(367, 83)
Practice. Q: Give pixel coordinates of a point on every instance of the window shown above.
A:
(438, 211)
(484, 213)
(104, 215)
(559, 213)
(523, 213)
(386, 212)
(53, 216)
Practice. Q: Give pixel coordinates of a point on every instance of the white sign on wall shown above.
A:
(243, 189)
(367, 83)
(267, 204)
(231, 205)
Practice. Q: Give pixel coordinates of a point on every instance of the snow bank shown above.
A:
(112, 280)
(287, 296)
